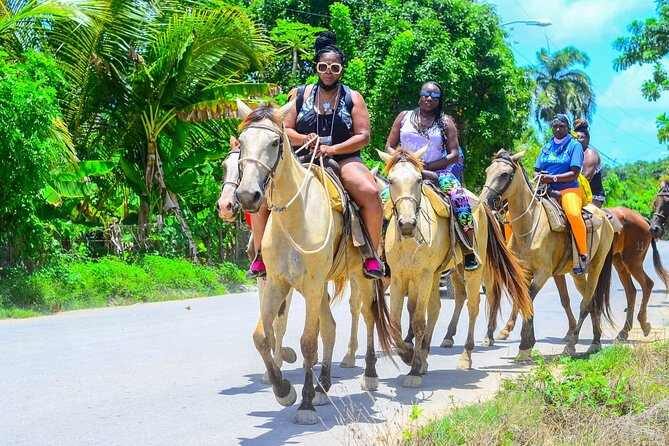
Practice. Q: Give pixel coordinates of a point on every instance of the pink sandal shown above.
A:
(372, 269)
(257, 269)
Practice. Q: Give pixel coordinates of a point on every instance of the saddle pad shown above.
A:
(617, 224)
(336, 200)
(441, 208)
(558, 220)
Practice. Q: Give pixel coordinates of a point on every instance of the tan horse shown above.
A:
(300, 246)
(543, 252)
(227, 208)
(630, 247)
(419, 246)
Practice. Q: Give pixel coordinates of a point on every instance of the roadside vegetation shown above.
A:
(618, 396)
(73, 284)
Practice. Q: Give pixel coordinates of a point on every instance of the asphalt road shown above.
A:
(186, 373)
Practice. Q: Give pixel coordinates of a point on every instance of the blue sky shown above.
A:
(623, 126)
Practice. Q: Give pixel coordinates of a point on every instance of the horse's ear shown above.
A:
(243, 110)
(517, 156)
(375, 169)
(283, 111)
(385, 157)
(421, 152)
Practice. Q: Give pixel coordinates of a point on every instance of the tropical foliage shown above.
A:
(648, 44)
(560, 87)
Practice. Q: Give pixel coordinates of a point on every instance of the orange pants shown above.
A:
(572, 204)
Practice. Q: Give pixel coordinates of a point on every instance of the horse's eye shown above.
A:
(391, 182)
(275, 143)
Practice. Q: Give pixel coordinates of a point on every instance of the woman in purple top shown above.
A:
(428, 125)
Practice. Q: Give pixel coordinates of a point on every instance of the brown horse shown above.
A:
(544, 253)
(661, 205)
(630, 246)
(303, 241)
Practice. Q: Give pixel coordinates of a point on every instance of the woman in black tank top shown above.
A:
(339, 116)
(592, 163)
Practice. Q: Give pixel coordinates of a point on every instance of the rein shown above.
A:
(417, 211)
(498, 195)
(271, 171)
(660, 215)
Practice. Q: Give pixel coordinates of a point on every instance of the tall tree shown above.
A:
(295, 40)
(560, 87)
(649, 44)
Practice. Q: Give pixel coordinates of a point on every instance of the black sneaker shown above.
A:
(470, 262)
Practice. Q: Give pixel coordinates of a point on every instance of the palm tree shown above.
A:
(560, 87)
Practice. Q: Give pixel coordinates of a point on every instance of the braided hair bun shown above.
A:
(326, 42)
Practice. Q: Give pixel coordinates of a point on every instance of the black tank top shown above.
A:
(308, 121)
(596, 184)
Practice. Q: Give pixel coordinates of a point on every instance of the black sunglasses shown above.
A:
(433, 94)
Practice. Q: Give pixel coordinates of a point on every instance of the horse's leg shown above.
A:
(419, 294)
(280, 353)
(397, 292)
(635, 267)
(527, 339)
(355, 304)
(370, 379)
(561, 284)
(327, 331)
(473, 284)
(313, 296)
(489, 339)
(274, 295)
(583, 288)
(433, 308)
(630, 296)
(596, 331)
(460, 296)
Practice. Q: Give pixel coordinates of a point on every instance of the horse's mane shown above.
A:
(503, 154)
(260, 113)
(402, 155)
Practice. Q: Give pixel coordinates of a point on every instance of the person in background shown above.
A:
(592, 163)
(559, 163)
(428, 125)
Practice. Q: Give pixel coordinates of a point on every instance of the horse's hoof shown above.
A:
(347, 362)
(412, 381)
(622, 336)
(306, 417)
(464, 364)
(646, 328)
(447, 343)
(569, 350)
(369, 383)
(265, 378)
(288, 355)
(524, 355)
(289, 399)
(502, 335)
(320, 399)
(487, 342)
(594, 348)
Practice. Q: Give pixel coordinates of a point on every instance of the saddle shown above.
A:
(558, 219)
(617, 224)
(353, 226)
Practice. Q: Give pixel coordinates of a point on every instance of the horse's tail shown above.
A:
(384, 327)
(506, 272)
(662, 273)
(601, 302)
(339, 285)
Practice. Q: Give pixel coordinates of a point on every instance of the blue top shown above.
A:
(559, 158)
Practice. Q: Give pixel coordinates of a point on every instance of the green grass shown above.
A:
(77, 284)
(618, 396)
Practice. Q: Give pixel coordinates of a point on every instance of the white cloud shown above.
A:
(577, 20)
(624, 91)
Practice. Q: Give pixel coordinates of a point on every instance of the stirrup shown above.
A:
(470, 262)
(583, 263)
(257, 269)
(372, 269)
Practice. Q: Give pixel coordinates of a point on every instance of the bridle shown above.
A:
(232, 183)
(664, 192)
(417, 203)
(270, 170)
(497, 197)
